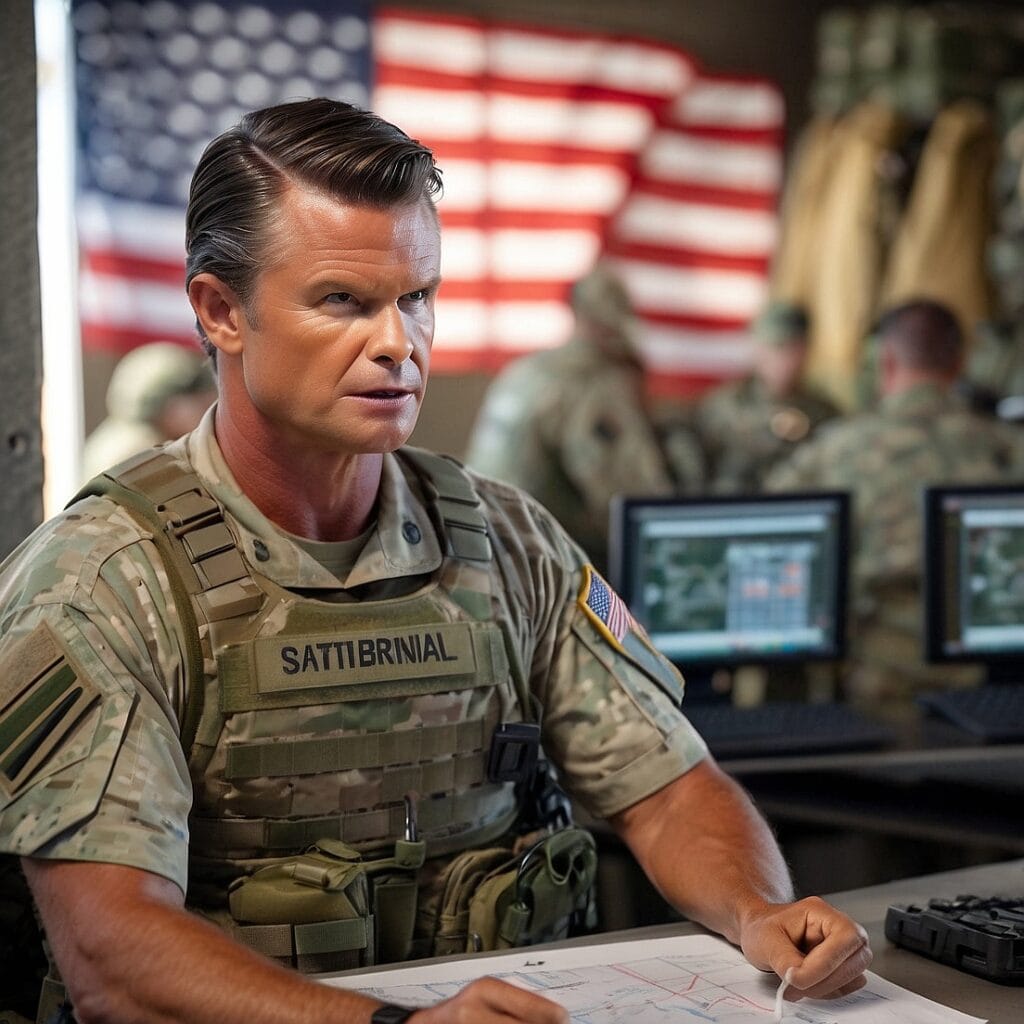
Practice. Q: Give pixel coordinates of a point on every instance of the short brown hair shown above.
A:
(923, 335)
(351, 154)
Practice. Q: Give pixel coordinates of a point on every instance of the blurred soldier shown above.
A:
(920, 433)
(156, 393)
(570, 425)
(749, 425)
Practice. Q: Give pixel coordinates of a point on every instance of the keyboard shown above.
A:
(994, 713)
(784, 727)
(980, 936)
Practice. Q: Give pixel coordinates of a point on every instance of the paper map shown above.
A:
(681, 978)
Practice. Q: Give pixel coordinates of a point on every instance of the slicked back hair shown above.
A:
(923, 335)
(349, 154)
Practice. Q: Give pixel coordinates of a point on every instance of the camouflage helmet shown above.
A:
(780, 323)
(149, 375)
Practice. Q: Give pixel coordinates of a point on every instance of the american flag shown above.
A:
(604, 606)
(556, 147)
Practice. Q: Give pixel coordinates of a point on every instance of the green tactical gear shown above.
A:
(293, 727)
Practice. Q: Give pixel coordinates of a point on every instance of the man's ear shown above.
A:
(219, 311)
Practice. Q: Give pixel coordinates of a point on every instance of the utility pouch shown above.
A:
(310, 912)
(394, 892)
(497, 899)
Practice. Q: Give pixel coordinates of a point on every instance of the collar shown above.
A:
(403, 541)
(925, 399)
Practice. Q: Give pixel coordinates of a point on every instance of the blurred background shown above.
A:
(686, 144)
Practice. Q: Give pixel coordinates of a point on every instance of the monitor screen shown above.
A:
(974, 573)
(735, 580)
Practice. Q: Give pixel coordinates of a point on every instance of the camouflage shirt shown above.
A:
(745, 431)
(86, 598)
(568, 425)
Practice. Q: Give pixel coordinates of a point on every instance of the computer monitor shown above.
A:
(726, 581)
(973, 584)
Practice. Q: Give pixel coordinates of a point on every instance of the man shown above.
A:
(360, 620)
(920, 433)
(570, 426)
(156, 393)
(747, 426)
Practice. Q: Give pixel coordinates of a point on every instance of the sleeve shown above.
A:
(610, 704)
(91, 767)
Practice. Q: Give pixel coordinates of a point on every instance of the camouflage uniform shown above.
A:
(922, 436)
(88, 592)
(745, 431)
(569, 427)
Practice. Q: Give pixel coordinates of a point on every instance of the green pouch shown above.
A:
(311, 912)
(540, 896)
(463, 877)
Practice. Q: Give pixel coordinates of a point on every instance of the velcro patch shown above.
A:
(605, 609)
(42, 698)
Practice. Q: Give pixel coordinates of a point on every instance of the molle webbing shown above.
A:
(270, 759)
(206, 574)
(243, 837)
(455, 503)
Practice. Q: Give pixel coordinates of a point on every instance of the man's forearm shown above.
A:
(707, 850)
(143, 958)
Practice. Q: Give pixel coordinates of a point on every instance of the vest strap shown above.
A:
(321, 945)
(455, 503)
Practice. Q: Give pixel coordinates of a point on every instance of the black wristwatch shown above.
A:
(391, 1014)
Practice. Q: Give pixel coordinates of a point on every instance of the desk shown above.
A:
(1000, 1004)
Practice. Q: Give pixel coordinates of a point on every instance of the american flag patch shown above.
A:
(604, 607)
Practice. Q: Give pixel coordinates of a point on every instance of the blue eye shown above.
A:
(418, 296)
(339, 297)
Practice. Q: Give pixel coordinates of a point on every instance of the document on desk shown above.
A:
(653, 981)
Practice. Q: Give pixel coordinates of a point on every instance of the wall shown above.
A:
(21, 462)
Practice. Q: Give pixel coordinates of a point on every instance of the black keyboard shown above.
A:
(980, 936)
(994, 713)
(784, 727)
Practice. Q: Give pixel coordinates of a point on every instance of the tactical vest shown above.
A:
(318, 731)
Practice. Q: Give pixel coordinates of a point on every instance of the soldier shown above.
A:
(570, 426)
(156, 393)
(747, 426)
(296, 670)
(920, 433)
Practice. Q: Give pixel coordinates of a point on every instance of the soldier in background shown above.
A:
(570, 425)
(747, 426)
(919, 433)
(156, 393)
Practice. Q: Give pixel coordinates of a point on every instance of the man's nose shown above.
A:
(389, 340)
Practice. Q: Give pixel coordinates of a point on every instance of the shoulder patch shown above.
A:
(43, 696)
(605, 609)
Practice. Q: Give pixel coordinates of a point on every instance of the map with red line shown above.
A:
(682, 979)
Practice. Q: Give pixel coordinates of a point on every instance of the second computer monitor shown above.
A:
(730, 581)
(974, 573)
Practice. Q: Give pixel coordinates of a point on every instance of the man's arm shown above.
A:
(711, 855)
(129, 951)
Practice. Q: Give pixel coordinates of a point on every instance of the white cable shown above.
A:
(777, 1016)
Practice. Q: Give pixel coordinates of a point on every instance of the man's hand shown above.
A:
(828, 952)
(490, 1001)
(711, 855)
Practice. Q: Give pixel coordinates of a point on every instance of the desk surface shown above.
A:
(999, 1004)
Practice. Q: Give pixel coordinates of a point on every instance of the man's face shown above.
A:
(781, 366)
(336, 346)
